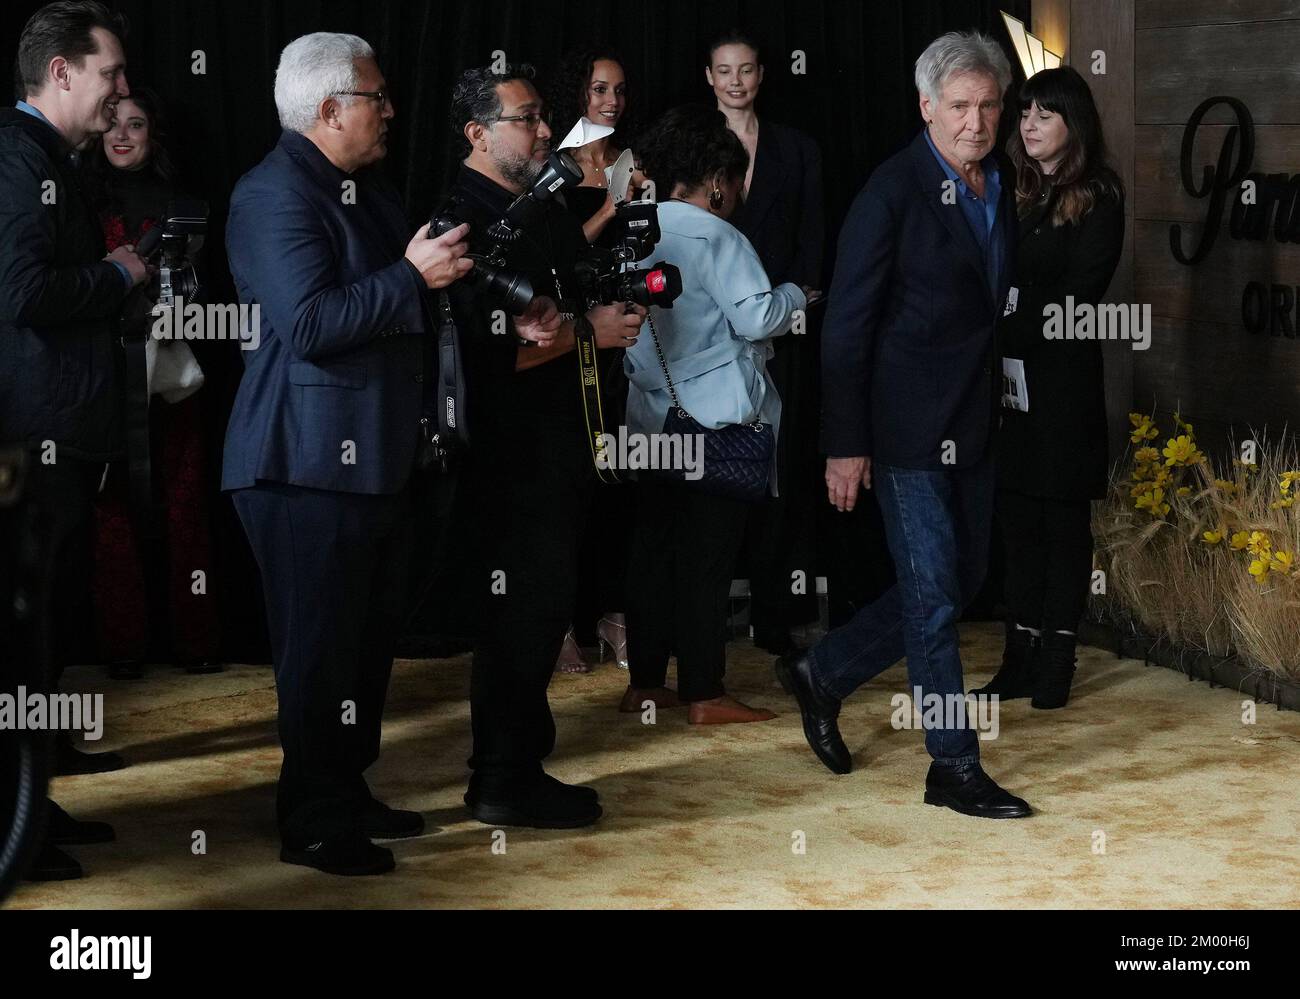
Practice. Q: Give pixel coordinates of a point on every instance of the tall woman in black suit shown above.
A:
(782, 216)
(1052, 444)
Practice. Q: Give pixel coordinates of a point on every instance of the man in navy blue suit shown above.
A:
(324, 435)
(911, 389)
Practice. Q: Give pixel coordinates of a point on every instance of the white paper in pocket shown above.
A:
(1013, 297)
(1015, 393)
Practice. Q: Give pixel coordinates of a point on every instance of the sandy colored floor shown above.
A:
(1196, 808)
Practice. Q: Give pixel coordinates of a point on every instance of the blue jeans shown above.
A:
(937, 525)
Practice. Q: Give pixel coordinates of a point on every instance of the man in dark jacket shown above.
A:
(323, 439)
(59, 298)
(910, 366)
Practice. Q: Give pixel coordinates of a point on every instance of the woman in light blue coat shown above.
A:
(715, 341)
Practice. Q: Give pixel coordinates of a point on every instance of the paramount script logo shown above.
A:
(1260, 204)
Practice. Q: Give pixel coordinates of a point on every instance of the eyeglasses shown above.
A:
(376, 95)
(531, 120)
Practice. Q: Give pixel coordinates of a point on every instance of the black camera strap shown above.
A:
(448, 431)
(592, 406)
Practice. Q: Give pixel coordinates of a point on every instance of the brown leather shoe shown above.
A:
(725, 710)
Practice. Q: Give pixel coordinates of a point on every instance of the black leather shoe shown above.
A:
(52, 864)
(63, 830)
(820, 712)
(545, 804)
(378, 821)
(70, 761)
(971, 791)
(349, 856)
(557, 785)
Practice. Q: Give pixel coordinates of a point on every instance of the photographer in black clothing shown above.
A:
(529, 472)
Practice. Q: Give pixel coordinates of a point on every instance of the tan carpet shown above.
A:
(1196, 808)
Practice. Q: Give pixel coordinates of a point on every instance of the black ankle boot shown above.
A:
(1055, 670)
(1015, 677)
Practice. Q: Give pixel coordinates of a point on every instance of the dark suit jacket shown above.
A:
(59, 300)
(784, 215)
(1059, 448)
(342, 328)
(909, 358)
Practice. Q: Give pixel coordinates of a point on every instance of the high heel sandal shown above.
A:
(613, 634)
(570, 659)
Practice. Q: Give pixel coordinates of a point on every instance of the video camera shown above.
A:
(490, 268)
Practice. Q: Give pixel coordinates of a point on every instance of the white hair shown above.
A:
(960, 52)
(312, 68)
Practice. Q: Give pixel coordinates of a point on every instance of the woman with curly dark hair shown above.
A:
(592, 85)
(713, 344)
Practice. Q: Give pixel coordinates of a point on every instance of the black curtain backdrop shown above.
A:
(856, 98)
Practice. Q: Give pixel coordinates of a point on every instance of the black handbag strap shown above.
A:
(663, 363)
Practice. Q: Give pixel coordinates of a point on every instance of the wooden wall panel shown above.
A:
(1179, 67)
(1202, 357)
(1198, 367)
(1211, 290)
(1172, 13)
(1107, 26)
(1158, 191)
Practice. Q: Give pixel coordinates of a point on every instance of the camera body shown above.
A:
(176, 240)
(606, 275)
(490, 268)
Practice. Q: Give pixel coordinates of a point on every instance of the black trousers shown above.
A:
(62, 496)
(602, 561)
(534, 492)
(684, 548)
(333, 571)
(780, 532)
(1048, 547)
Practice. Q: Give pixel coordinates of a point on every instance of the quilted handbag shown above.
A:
(737, 459)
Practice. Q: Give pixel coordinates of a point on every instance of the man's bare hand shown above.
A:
(616, 325)
(843, 476)
(132, 261)
(440, 261)
(540, 322)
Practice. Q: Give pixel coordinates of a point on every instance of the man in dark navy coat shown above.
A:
(324, 435)
(60, 296)
(910, 392)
